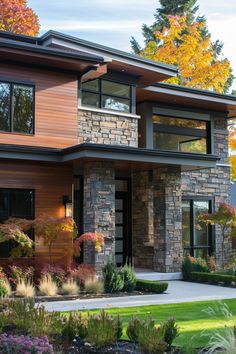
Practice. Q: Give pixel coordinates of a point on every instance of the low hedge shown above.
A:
(213, 278)
(151, 285)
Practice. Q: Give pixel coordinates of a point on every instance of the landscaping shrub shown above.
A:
(70, 287)
(3, 290)
(133, 328)
(152, 286)
(170, 330)
(33, 320)
(16, 274)
(103, 329)
(25, 288)
(113, 278)
(129, 278)
(94, 286)
(213, 278)
(24, 344)
(150, 338)
(47, 286)
(191, 264)
(73, 325)
(82, 273)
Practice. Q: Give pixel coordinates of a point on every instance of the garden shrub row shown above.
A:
(152, 286)
(212, 278)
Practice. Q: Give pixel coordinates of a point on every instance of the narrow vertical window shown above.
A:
(5, 102)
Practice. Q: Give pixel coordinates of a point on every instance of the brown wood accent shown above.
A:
(50, 183)
(55, 107)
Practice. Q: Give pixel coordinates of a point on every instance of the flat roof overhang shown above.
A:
(137, 158)
(187, 97)
(148, 71)
(36, 55)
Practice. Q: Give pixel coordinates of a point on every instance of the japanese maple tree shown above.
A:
(225, 218)
(17, 17)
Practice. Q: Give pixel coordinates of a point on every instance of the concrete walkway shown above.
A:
(177, 292)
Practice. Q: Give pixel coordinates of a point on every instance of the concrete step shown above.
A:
(150, 275)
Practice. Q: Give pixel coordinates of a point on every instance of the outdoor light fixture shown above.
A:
(68, 206)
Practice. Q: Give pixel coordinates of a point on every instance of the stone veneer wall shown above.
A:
(213, 182)
(105, 128)
(99, 209)
(142, 219)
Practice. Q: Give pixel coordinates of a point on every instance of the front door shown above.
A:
(123, 242)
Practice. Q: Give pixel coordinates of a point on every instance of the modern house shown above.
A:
(92, 130)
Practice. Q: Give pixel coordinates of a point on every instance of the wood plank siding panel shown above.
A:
(55, 106)
(50, 183)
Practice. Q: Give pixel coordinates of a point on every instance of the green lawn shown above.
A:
(191, 318)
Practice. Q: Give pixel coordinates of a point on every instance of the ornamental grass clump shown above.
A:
(24, 344)
(94, 286)
(5, 288)
(25, 288)
(70, 287)
(103, 330)
(47, 286)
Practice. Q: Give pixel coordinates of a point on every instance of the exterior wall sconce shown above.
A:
(68, 206)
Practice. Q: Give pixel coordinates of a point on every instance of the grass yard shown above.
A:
(191, 318)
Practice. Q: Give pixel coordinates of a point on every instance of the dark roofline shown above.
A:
(105, 152)
(26, 46)
(18, 37)
(194, 91)
(108, 50)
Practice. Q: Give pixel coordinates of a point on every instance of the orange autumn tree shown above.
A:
(184, 45)
(17, 17)
(232, 149)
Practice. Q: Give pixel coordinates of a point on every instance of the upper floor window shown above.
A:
(16, 108)
(106, 94)
(180, 134)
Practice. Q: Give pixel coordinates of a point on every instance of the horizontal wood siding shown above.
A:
(50, 183)
(55, 106)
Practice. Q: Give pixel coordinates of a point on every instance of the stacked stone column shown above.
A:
(99, 210)
(167, 219)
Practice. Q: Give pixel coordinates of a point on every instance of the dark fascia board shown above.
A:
(111, 152)
(194, 91)
(54, 34)
(19, 37)
(9, 43)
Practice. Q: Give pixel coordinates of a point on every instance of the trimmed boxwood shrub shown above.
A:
(213, 278)
(151, 285)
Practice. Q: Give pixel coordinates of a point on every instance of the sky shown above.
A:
(112, 22)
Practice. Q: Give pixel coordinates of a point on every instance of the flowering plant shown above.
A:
(96, 238)
(24, 344)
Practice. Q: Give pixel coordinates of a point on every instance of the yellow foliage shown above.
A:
(183, 45)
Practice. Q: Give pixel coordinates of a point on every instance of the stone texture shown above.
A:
(104, 128)
(99, 209)
(167, 219)
(213, 182)
(142, 218)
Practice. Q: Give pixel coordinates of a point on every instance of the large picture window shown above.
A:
(17, 203)
(16, 108)
(179, 134)
(106, 94)
(196, 235)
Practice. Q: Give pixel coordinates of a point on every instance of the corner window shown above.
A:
(17, 203)
(180, 134)
(16, 108)
(196, 235)
(106, 94)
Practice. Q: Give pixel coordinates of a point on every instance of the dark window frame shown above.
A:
(11, 130)
(211, 231)
(101, 94)
(29, 217)
(179, 130)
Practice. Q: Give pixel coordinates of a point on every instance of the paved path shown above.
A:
(177, 292)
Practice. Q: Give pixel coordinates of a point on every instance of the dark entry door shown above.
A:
(123, 252)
